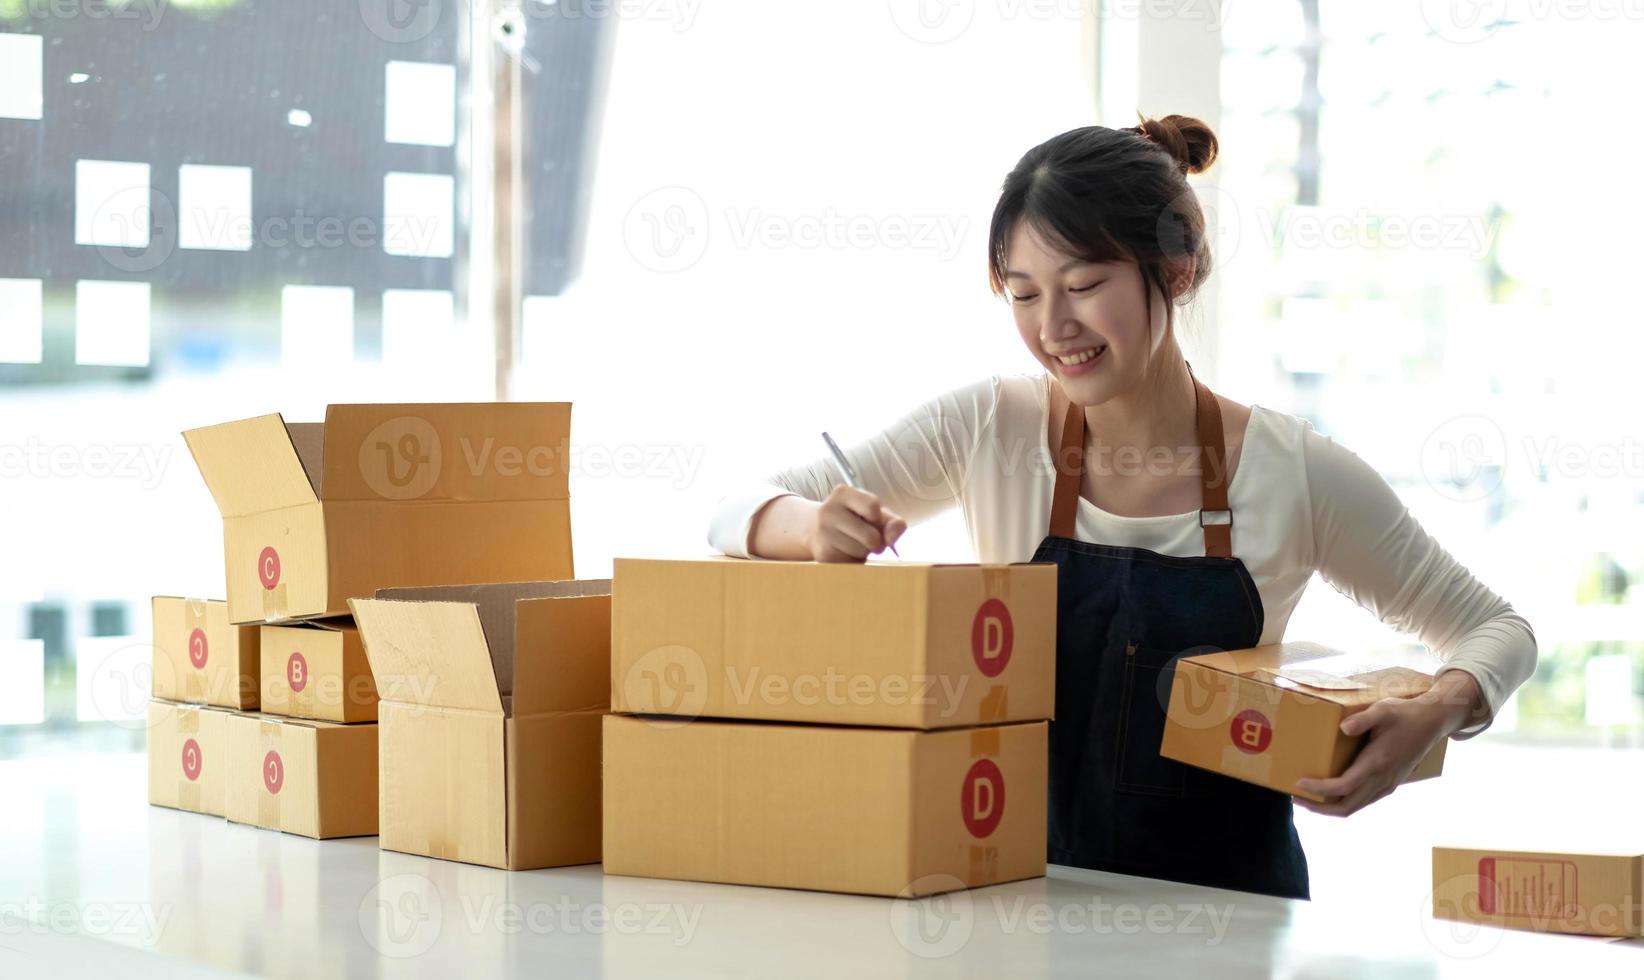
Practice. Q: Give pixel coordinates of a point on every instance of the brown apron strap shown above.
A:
(1069, 462)
(1215, 517)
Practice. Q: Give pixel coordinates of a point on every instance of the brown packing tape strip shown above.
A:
(995, 704)
(984, 742)
(268, 804)
(996, 581)
(194, 679)
(983, 865)
(274, 603)
(188, 790)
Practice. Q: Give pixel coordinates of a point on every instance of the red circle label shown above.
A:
(991, 637)
(197, 648)
(268, 567)
(1251, 732)
(191, 759)
(982, 802)
(273, 771)
(296, 672)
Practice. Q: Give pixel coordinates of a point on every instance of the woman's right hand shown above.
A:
(851, 524)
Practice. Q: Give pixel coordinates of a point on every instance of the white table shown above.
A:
(93, 881)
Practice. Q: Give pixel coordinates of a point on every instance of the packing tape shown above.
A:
(268, 804)
(995, 703)
(188, 790)
(996, 581)
(984, 742)
(274, 603)
(984, 865)
(194, 678)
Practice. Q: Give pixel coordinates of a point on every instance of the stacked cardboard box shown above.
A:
(313, 515)
(877, 729)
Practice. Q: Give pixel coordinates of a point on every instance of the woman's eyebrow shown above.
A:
(1070, 263)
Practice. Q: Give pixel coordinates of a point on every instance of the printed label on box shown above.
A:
(982, 803)
(268, 568)
(1526, 887)
(273, 771)
(197, 648)
(296, 671)
(191, 759)
(1251, 731)
(991, 637)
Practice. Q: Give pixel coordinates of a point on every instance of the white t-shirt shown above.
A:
(1301, 503)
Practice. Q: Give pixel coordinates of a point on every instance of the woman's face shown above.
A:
(1085, 322)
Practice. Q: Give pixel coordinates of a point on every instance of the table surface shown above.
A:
(92, 878)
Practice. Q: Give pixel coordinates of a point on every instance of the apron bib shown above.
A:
(1124, 615)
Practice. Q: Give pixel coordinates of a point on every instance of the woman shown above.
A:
(1179, 519)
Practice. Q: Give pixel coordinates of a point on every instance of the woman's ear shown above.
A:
(1181, 276)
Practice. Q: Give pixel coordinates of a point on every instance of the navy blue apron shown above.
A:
(1124, 615)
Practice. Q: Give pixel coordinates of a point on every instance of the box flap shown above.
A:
(428, 653)
(251, 466)
(1268, 657)
(454, 452)
(498, 618)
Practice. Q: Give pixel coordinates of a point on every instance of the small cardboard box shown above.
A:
(199, 658)
(312, 778)
(1595, 894)
(900, 645)
(876, 811)
(317, 669)
(187, 757)
(1270, 715)
(386, 495)
(492, 699)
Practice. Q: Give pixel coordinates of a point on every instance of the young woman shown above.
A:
(1179, 520)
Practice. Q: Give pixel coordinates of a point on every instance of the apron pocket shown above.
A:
(1143, 696)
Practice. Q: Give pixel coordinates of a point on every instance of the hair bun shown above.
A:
(1188, 140)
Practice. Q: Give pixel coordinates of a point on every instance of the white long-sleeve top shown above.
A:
(1300, 503)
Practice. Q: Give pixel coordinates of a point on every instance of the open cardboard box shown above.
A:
(199, 658)
(386, 495)
(876, 811)
(491, 703)
(1270, 715)
(894, 644)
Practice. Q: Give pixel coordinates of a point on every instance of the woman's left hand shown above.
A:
(1401, 731)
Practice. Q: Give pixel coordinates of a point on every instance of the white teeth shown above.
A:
(1082, 356)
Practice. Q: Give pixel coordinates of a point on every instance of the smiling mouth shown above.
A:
(1073, 360)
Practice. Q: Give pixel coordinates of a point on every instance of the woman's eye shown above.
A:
(1023, 297)
(1086, 289)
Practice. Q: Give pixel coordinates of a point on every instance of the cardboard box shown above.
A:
(187, 757)
(1595, 894)
(1270, 715)
(199, 658)
(902, 645)
(492, 699)
(317, 669)
(877, 811)
(312, 778)
(386, 495)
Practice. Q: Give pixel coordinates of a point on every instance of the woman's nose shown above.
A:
(1058, 323)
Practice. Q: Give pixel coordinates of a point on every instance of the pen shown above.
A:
(849, 474)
